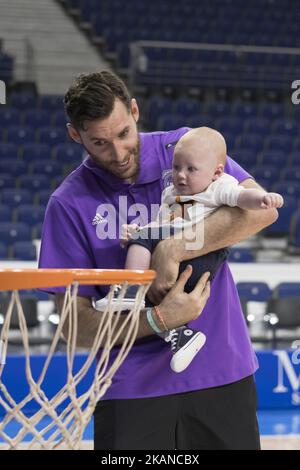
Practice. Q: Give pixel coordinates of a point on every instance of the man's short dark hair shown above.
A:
(92, 96)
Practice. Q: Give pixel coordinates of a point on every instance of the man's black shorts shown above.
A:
(210, 419)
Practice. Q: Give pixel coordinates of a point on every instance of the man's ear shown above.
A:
(135, 109)
(74, 135)
(218, 171)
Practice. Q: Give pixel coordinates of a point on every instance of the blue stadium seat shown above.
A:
(239, 37)
(31, 152)
(244, 110)
(49, 168)
(158, 105)
(258, 125)
(279, 142)
(257, 59)
(12, 232)
(59, 119)
(262, 39)
(100, 22)
(271, 110)
(294, 158)
(287, 289)
(240, 255)
(281, 60)
(282, 225)
(184, 56)
(252, 142)
(206, 56)
(296, 145)
(22, 101)
(296, 112)
(51, 102)
(168, 122)
(231, 125)
(288, 127)
(89, 7)
(68, 153)
(277, 158)
(15, 197)
(6, 67)
(123, 53)
(34, 182)
(37, 118)
(266, 173)
(52, 135)
(3, 251)
(20, 134)
(230, 141)
(42, 197)
(289, 188)
(218, 109)
(6, 181)
(30, 214)
(114, 37)
(254, 291)
(186, 106)
(197, 120)
(285, 41)
(244, 157)
(291, 174)
(16, 167)
(9, 117)
(8, 150)
(5, 213)
(24, 250)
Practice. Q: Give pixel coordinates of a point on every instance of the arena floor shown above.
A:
(280, 430)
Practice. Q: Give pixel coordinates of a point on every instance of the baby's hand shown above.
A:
(126, 233)
(270, 200)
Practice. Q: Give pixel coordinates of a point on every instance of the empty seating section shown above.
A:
(35, 155)
(258, 23)
(264, 137)
(254, 291)
(36, 152)
(34, 158)
(271, 314)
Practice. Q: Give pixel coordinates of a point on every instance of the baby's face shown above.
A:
(190, 173)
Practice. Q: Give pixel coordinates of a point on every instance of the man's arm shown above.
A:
(225, 227)
(177, 309)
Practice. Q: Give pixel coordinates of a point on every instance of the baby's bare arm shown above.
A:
(254, 199)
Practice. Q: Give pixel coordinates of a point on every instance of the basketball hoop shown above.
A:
(68, 412)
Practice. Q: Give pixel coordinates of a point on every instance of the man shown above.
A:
(212, 404)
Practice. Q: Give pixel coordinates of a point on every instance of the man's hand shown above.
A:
(178, 307)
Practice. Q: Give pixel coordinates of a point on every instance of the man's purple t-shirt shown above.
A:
(73, 238)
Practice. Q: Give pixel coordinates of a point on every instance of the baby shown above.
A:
(199, 187)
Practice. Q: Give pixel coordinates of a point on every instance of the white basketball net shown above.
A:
(66, 427)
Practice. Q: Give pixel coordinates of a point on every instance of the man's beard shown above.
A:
(134, 152)
(137, 160)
